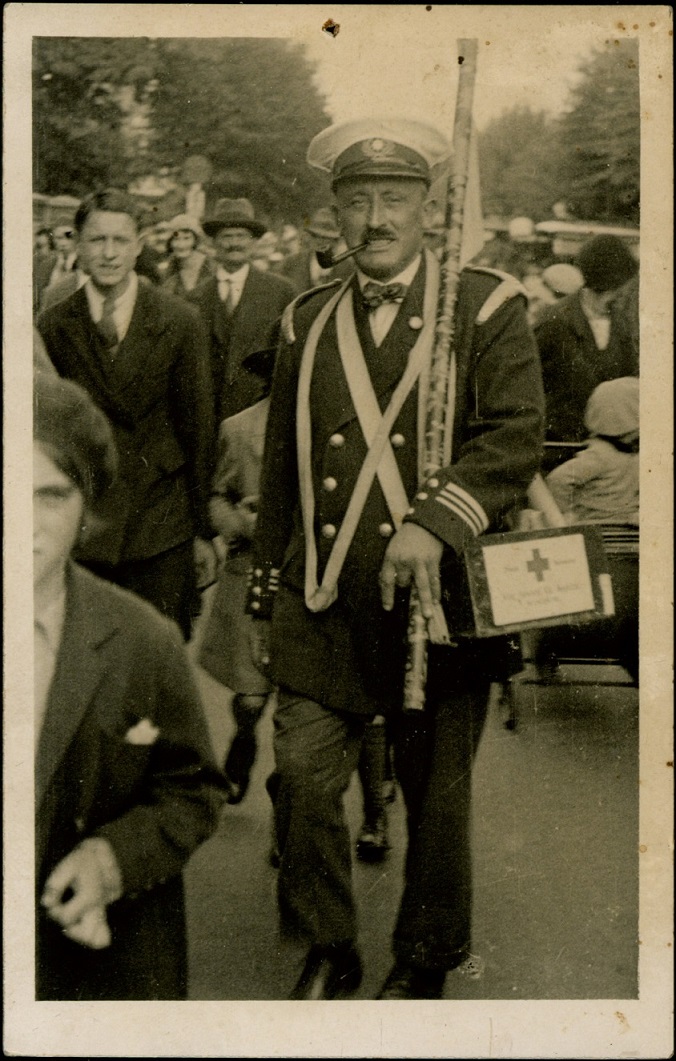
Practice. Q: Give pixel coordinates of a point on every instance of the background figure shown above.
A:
(582, 343)
(547, 287)
(143, 357)
(153, 259)
(187, 265)
(125, 787)
(226, 646)
(321, 233)
(601, 485)
(240, 305)
(44, 259)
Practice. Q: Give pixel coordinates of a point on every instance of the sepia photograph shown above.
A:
(346, 339)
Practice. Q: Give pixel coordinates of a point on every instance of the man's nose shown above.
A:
(109, 248)
(376, 213)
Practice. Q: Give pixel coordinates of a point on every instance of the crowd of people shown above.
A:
(211, 410)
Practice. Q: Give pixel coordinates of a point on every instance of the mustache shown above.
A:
(373, 234)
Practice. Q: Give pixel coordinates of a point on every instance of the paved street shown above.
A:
(556, 860)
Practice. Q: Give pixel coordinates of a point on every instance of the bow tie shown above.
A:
(374, 295)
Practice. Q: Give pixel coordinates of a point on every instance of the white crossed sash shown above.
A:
(375, 425)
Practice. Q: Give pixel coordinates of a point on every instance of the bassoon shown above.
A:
(441, 393)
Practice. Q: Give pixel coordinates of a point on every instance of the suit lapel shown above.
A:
(136, 353)
(81, 667)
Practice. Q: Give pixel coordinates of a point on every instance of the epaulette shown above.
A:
(509, 287)
(287, 316)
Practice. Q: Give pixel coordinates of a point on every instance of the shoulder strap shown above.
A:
(286, 325)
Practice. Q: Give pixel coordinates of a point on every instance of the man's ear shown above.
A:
(433, 212)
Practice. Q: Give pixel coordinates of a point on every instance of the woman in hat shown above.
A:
(125, 787)
(188, 265)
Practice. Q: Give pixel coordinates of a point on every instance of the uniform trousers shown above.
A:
(316, 751)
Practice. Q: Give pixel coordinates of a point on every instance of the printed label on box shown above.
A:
(538, 579)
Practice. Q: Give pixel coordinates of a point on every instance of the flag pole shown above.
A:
(439, 413)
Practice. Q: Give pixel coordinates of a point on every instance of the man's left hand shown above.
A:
(413, 557)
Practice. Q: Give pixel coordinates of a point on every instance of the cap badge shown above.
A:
(378, 148)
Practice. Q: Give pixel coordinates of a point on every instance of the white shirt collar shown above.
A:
(237, 279)
(406, 276)
(125, 300)
(123, 309)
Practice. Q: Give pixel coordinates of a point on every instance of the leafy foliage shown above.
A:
(518, 164)
(108, 110)
(600, 136)
(589, 157)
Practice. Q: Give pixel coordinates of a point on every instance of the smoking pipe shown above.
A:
(327, 261)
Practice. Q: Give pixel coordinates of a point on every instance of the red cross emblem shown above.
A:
(538, 565)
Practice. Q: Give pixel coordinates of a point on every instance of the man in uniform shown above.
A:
(348, 522)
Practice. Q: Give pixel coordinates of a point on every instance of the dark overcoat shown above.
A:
(351, 656)
(156, 393)
(573, 366)
(121, 663)
(251, 328)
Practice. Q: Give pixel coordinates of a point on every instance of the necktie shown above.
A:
(374, 295)
(106, 326)
(226, 295)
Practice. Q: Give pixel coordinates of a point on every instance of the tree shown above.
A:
(518, 159)
(251, 107)
(600, 136)
(85, 91)
(108, 110)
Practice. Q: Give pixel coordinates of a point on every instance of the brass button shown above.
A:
(433, 483)
(385, 530)
(330, 484)
(416, 323)
(422, 496)
(329, 531)
(337, 441)
(397, 441)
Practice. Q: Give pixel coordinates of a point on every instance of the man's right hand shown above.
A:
(260, 643)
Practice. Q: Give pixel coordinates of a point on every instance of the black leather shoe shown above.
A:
(407, 981)
(373, 845)
(329, 973)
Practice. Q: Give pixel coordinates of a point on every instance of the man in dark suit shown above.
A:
(303, 269)
(240, 305)
(583, 341)
(143, 357)
(332, 561)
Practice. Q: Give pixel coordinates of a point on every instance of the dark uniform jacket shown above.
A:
(264, 298)
(573, 366)
(351, 656)
(156, 393)
(122, 667)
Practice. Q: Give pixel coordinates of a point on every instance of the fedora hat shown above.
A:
(233, 213)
